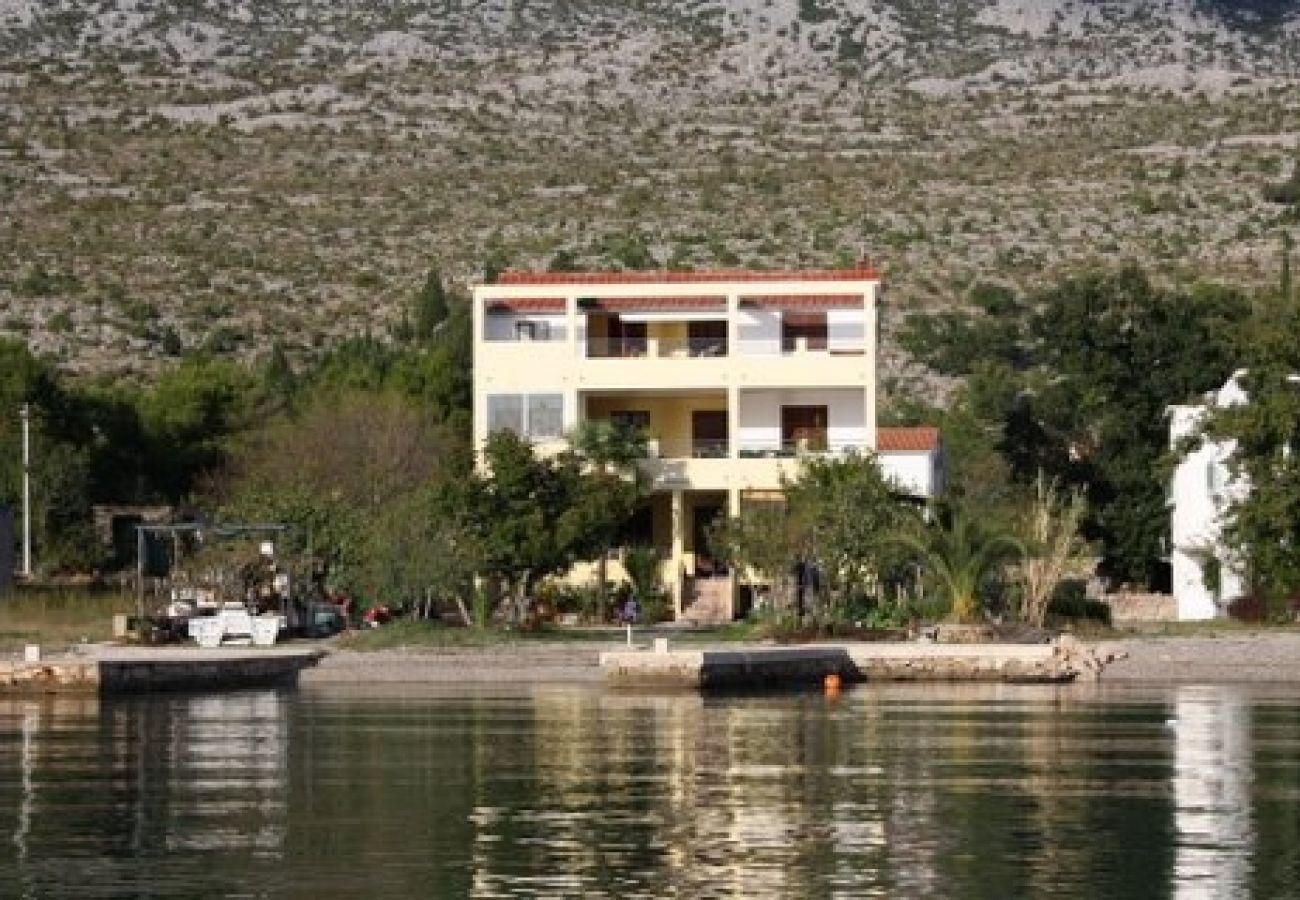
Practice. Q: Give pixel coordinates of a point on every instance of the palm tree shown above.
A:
(960, 557)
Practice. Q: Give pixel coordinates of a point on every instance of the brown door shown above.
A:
(709, 432)
(627, 338)
(705, 515)
(707, 338)
(803, 428)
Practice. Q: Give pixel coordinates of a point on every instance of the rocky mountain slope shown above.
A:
(218, 173)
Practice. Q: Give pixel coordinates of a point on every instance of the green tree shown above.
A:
(847, 513)
(1077, 389)
(519, 511)
(961, 555)
(360, 473)
(431, 307)
(609, 493)
(764, 542)
(536, 515)
(1263, 528)
(189, 417)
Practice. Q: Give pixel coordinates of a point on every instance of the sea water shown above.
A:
(905, 791)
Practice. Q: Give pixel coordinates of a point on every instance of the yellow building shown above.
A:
(734, 375)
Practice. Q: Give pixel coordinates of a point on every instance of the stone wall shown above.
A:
(1135, 607)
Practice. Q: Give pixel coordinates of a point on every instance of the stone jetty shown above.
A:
(662, 666)
(117, 670)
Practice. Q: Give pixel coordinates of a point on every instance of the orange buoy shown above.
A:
(831, 683)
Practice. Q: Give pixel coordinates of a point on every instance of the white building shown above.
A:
(1205, 577)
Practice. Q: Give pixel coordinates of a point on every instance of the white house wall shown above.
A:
(846, 329)
(913, 472)
(1201, 491)
(760, 416)
(758, 330)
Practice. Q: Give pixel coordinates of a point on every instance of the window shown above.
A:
(505, 412)
(534, 416)
(545, 416)
(808, 329)
(510, 327)
(1213, 477)
(529, 330)
(803, 429)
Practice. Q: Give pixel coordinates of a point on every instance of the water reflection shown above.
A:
(907, 791)
(125, 795)
(1212, 779)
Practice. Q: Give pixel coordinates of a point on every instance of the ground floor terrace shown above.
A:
(680, 524)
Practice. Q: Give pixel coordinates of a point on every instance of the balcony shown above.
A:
(793, 449)
(655, 348)
(688, 448)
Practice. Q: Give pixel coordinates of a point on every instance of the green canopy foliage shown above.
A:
(534, 515)
(361, 475)
(1075, 383)
(1264, 524)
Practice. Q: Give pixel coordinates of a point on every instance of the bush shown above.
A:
(1256, 607)
(1071, 603)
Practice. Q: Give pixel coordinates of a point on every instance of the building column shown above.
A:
(571, 324)
(679, 549)
(733, 421)
(733, 586)
(733, 392)
(574, 414)
(870, 325)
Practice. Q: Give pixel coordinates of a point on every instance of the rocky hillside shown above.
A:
(218, 173)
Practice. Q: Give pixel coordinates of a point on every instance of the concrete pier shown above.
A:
(686, 668)
(115, 670)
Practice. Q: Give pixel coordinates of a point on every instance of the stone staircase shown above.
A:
(708, 601)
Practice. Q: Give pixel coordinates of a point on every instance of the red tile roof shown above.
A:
(907, 440)
(862, 273)
(531, 304)
(804, 301)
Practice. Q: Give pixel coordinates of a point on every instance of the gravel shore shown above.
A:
(1245, 657)
(536, 662)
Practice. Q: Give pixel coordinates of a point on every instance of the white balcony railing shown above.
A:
(655, 348)
(685, 448)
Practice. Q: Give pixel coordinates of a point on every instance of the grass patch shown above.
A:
(57, 619)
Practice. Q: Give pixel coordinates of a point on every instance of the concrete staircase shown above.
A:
(708, 601)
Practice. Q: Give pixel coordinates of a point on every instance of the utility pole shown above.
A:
(26, 414)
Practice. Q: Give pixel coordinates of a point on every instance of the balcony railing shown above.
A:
(655, 348)
(682, 448)
(795, 448)
(799, 347)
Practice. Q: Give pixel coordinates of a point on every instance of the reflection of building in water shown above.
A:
(141, 778)
(739, 796)
(1212, 814)
(229, 772)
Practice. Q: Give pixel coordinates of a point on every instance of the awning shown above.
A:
(804, 302)
(530, 304)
